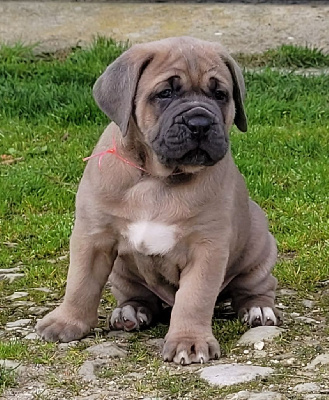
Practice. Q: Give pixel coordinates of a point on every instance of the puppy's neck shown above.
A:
(178, 178)
(135, 146)
(152, 167)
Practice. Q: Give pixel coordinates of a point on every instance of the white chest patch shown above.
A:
(152, 238)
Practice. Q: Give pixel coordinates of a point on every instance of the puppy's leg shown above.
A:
(253, 293)
(137, 305)
(190, 338)
(91, 260)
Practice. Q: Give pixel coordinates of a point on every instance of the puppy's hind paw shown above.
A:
(130, 318)
(261, 316)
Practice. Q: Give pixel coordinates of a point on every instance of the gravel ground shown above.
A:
(280, 363)
(246, 28)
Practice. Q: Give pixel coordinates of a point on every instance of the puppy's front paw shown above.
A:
(129, 318)
(187, 349)
(59, 326)
(258, 316)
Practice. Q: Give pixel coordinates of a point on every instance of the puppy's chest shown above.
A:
(151, 238)
(149, 220)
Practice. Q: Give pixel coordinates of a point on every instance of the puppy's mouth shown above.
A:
(193, 157)
(191, 137)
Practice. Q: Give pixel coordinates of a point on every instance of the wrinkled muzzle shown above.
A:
(191, 133)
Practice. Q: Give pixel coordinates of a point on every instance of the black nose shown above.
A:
(199, 124)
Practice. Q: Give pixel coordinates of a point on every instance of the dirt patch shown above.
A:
(241, 27)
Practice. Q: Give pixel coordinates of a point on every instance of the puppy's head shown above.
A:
(182, 93)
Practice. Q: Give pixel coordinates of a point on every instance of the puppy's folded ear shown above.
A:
(239, 92)
(114, 91)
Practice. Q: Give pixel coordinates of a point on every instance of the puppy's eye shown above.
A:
(165, 94)
(220, 95)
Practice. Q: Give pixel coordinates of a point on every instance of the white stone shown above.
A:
(259, 334)
(322, 359)
(286, 292)
(43, 289)
(106, 350)
(14, 365)
(18, 324)
(135, 375)
(306, 387)
(10, 277)
(91, 397)
(260, 354)
(308, 303)
(9, 270)
(38, 310)
(246, 395)
(9, 364)
(20, 303)
(17, 295)
(290, 361)
(232, 374)
(69, 345)
(152, 398)
(307, 320)
(118, 334)
(32, 336)
(88, 369)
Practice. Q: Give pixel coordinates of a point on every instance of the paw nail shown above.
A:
(216, 356)
(182, 361)
(141, 321)
(124, 319)
(201, 360)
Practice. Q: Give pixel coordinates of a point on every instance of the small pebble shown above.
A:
(32, 336)
(306, 387)
(308, 303)
(259, 345)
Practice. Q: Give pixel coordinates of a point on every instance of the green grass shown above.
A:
(49, 122)
(286, 56)
(7, 378)
(40, 353)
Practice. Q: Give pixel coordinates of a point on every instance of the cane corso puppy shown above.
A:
(162, 210)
